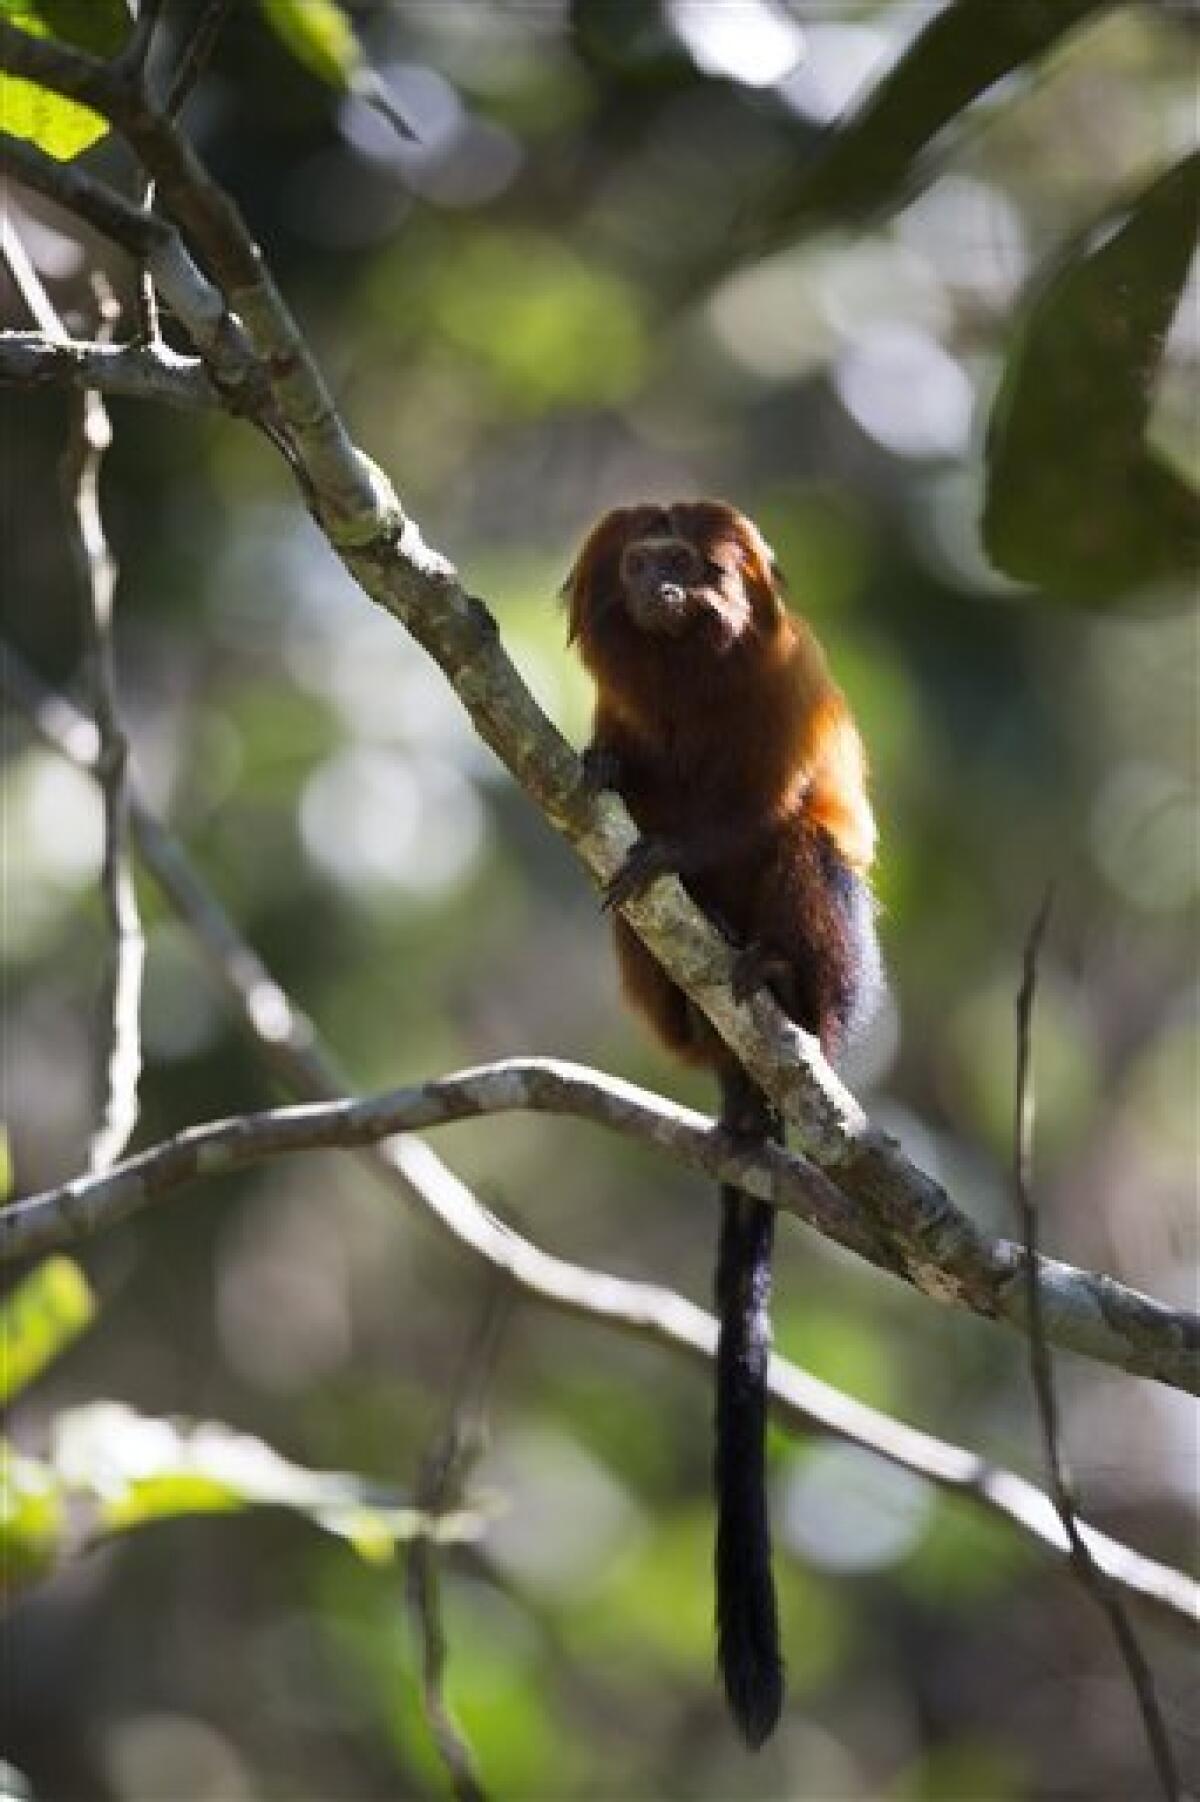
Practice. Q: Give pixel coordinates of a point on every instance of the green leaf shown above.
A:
(877, 155)
(39, 1320)
(62, 128)
(31, 1520)
(1075, 498)
(319, 35)
(139, 1469)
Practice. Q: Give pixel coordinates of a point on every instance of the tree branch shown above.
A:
(154, 242)
(788, 1181)
(411, 1170)
(1094, 1581)
(89, 437)
(32, 360)
(438, 1489)
(120, 1056)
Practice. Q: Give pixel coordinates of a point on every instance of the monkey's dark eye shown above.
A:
(713, 570)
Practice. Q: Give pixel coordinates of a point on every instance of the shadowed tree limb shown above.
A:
(439, 1486)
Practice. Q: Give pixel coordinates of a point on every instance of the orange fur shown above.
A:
(733, 742)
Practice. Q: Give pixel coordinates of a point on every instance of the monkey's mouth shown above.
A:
(666, 609)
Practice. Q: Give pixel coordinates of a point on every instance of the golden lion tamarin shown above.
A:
(719, 724)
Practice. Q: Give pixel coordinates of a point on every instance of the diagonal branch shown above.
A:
(413, 1172)
(1092, 1578)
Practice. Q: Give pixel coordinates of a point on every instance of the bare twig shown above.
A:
(89, 436)
(412, 1171)
(154, 242)
(29, 283)
(135, 52)
(209, 23)
(93, 201)
(137, 372)
(197, 51)
(120, 1050)
(438, 1487)
(1093, 1579)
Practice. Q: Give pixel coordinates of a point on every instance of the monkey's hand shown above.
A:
(649, 859)
(658, 854)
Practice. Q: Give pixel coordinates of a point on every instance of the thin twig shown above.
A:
(89, 434)
(120, 1051)
(152, 240)
(93, 201)
(1090, 1575)
(197, 52)
(135, 52)
(29, 283)
(138, 372)
(439, 1485)
(412, 1171)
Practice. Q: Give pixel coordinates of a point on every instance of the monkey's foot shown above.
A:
(649, 859)
(758, 967)
(601, 768)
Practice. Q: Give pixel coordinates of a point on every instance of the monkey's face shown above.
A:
(696, 570)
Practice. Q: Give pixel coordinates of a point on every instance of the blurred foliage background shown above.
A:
(636, 249)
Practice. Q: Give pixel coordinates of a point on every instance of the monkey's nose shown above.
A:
(660, 565)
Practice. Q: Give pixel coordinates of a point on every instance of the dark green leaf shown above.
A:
(876, 156)
(1075, 498)
(62, 128)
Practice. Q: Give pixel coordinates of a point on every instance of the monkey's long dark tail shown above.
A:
(747, 1624)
